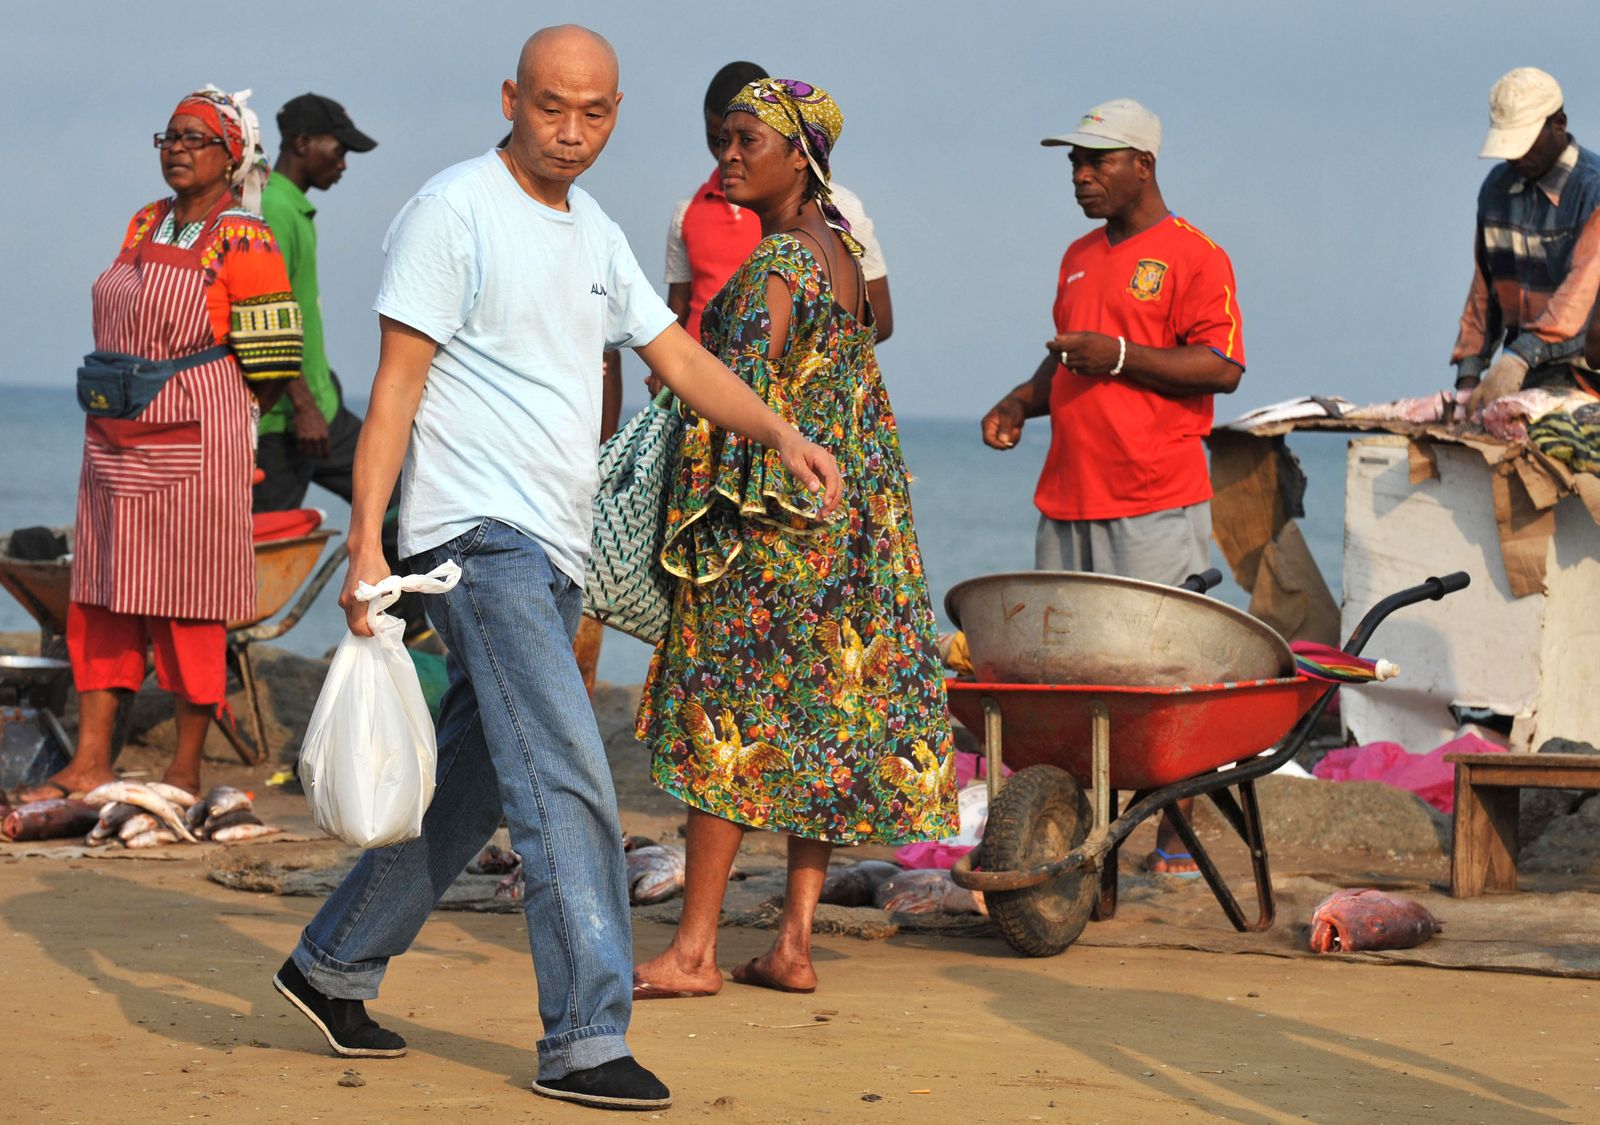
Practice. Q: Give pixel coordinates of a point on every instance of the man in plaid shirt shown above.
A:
(1537, 250)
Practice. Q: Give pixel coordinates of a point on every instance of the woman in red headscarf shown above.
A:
(162, 551)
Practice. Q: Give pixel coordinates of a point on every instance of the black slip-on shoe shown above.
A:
(618, 1084)
(343, 1023)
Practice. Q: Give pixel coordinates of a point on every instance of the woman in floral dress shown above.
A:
(798, 688)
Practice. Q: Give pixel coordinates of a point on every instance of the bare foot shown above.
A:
(669, 976)
(781, 969)
(189, 783)
(68, 783)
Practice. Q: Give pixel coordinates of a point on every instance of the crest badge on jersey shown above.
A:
(1147, 278)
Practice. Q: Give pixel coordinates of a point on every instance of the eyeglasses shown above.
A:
(190, 140)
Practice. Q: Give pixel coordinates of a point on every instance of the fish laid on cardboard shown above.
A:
(156, 837)
(107, 828)
(221, 800)
(655, 873)
(49, 820)
(1354, 920)
(148, 799)
(927, 891)
(857, 884)
(238, 833)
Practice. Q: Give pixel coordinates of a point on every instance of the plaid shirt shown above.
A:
(1538, 264)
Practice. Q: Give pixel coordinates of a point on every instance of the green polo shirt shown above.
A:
(288, 212)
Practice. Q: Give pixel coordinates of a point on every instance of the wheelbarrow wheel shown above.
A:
(1039, 816)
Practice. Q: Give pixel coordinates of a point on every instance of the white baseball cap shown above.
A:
(1518, 106)
(1119, 123)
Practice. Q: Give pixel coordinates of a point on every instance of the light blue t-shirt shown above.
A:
(523, 301)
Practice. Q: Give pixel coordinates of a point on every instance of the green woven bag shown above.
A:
(627, 587)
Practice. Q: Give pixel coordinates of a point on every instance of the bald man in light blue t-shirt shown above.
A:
(503, 283)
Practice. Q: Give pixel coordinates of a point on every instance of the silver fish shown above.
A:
(655, 873)
(180, 797)
(215, 824)
(237, 833)
(153, 838)
(857, 884)
(112, 817)
(139, 822)
(219, 800)
(137, 793)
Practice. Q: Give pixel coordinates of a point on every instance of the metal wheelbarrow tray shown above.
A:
(1048, 860)
(281, 566)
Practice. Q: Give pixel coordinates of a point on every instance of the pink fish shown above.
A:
(49, 820)
(926, 891)
(1357, 919)
(1507, 418)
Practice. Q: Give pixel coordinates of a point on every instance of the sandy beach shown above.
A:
(139, 989)
(135, 986)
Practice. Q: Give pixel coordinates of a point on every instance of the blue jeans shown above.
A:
(517, 738)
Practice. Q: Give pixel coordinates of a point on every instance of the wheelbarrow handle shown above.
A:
(1430, 591)
(1200, 583)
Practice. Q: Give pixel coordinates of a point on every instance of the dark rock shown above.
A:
(1566, 746)
(1570, 845)
(1540, 807)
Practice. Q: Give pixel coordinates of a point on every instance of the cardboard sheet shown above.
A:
(1526, 487)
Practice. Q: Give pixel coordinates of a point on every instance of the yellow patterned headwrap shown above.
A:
(812, 122)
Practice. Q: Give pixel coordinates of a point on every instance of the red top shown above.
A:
(1118, 449)
(718, 238)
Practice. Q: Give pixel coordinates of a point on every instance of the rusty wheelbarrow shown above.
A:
(1048, 859)
(44, 589)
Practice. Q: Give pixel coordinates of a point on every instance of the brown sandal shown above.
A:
(644, 990)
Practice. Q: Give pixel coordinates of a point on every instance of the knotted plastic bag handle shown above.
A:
(381, 595)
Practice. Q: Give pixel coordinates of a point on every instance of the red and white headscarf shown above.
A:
(231, 118)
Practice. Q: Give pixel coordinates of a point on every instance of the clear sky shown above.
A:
(1331, 149)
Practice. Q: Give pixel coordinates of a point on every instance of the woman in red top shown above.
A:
(162, 551)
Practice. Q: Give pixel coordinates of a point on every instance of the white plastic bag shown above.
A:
(367, 762)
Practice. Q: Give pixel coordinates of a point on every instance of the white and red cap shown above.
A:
(1519, 105)
(1119, 123)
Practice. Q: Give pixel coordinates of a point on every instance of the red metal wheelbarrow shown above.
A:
(44, 589)
(1048, 860)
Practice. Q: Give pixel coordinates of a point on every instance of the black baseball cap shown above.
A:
(314, 114)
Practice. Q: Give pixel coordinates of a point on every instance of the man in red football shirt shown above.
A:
(1147, 330)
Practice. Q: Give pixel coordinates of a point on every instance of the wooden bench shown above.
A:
(1488, 800)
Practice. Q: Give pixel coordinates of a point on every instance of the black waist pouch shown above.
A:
(113, 385)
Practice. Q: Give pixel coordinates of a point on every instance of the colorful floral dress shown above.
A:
(798, 688)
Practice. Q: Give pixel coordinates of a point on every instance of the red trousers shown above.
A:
(107, 651)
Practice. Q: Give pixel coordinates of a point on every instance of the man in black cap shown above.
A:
(309, 436)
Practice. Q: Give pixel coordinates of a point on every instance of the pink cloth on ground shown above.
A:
(1428, 775)
(934, 853)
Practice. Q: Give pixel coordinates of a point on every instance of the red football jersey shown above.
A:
(718, 237)
(1118, 449)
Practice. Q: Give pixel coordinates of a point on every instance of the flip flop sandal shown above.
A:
(644, 990)
(60, 794)
(750, 974)
(1169, 857)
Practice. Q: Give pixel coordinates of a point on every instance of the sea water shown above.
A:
(973, 508)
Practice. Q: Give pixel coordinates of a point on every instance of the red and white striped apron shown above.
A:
(163, 526)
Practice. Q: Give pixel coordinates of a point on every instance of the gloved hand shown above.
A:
(1503, 378)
